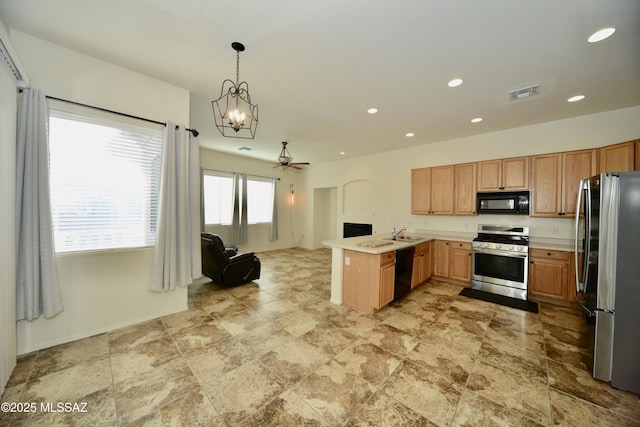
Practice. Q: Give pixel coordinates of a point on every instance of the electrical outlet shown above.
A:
(556, 230)
(347, 260)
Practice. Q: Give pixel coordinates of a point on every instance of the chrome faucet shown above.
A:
(395, 234)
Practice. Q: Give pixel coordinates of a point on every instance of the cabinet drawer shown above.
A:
(460, 245)
(558, 255)
(387, 257)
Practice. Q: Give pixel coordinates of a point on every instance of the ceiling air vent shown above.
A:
(524, 92)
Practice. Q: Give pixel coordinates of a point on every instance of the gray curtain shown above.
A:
(177, 258)
(37, 285)
(239, 220)
(273, 230)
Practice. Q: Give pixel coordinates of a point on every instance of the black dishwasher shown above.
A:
(404, 267)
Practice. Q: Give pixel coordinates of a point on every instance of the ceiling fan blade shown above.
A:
(300, 163)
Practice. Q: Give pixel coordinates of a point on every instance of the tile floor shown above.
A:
(276, 352)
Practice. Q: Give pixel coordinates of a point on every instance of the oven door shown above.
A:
(501, 268)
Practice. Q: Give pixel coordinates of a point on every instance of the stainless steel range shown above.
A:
(501, 260)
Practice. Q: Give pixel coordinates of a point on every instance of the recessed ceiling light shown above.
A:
(409, 134)
(576, 98)
(245, 149)
(601, 35)
(476, 120)
(342, 153)
(454, 83)
(372, 110)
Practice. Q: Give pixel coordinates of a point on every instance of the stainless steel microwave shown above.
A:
(503, 202)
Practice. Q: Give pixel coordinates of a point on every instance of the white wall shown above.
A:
(104, 290)
(390, 172)
(290, 227)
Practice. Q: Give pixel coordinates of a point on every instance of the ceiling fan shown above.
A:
(285, 159)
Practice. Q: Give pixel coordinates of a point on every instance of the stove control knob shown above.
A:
(511, 247)
(519, 248)
(498, 246)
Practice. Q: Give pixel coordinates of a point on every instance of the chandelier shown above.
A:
(233, 112)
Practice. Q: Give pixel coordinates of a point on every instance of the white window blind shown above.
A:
(105, 177)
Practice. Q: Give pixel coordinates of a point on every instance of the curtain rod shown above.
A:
(248, 174)
(194, 132)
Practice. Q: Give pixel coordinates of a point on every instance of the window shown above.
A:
(104, 182)
(218, 197)
(219, 194)
(259, 200)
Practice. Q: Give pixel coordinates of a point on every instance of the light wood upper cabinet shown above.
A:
(432, 190)
(617, 158)
(555, 180)
(421, 191)
(465, 189)
(442, 190)
(546, 197)
(503, 175)
(576, 166)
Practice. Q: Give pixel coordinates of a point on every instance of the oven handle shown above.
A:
(502, 253)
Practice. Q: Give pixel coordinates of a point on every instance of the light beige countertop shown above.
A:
(381, 243)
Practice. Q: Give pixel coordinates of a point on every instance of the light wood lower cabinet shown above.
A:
(551, 276)
(452, 260)
(441, 258)
(422, 264)
(460, 261)
(368, 280)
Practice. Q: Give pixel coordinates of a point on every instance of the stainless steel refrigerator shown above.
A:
(607, 265)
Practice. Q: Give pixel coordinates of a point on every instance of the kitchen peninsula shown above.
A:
(363, 268)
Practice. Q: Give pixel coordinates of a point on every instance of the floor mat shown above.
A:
(500, 299)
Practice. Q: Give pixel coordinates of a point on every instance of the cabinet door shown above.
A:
(441, 257)
(546, 198)
(416, 273)
(576, 165)
(465, 189)
(421, 191)
(421, 264)
(387, 278)
(442, 190)
(549, 274)
(515, 174)
(460, 259)
(427, 261)
(617, 158)
(489, 175)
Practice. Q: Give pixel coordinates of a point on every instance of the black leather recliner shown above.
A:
(224, 265)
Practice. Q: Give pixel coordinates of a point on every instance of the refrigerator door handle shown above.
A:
(576, 238)
(584, 187)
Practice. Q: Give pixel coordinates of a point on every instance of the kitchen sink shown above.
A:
(406, 239)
